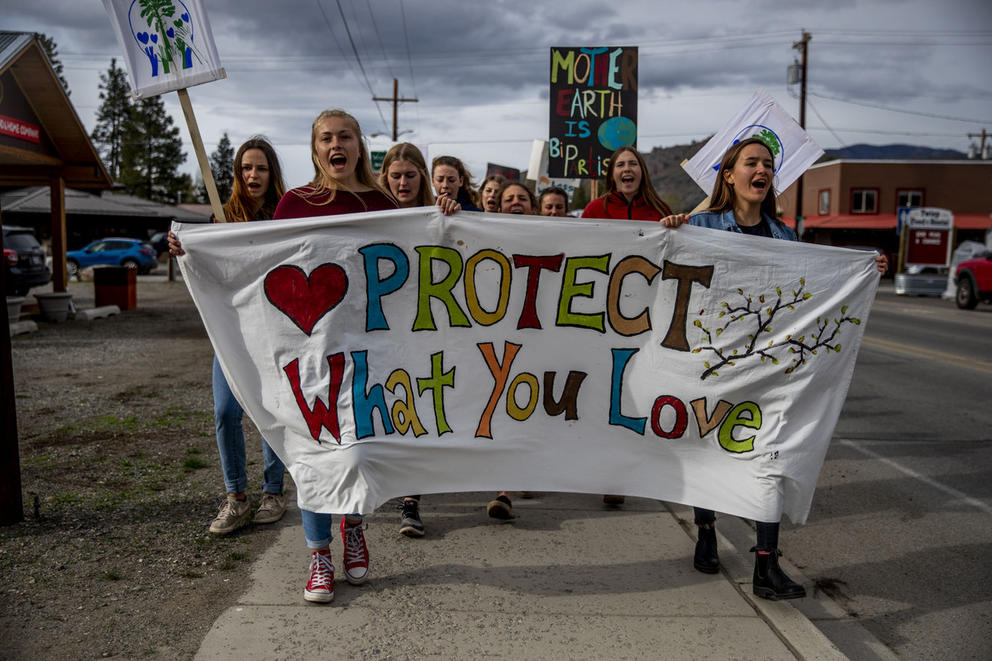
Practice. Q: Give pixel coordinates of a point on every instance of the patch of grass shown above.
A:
(104, 424)
(40, 460)
(65, 498)
(176, 416)
(111, 423)
(193, 463)
(126, 463)
(112, 575)
(237, 555)
(192, 450)
(191, 574)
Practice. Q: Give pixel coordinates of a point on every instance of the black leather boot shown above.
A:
(706, 559)
(770, 582)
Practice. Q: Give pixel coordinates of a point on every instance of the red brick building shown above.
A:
(854, 202)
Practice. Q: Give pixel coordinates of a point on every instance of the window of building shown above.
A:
(864, 200)
(823, 205)
(909, 198)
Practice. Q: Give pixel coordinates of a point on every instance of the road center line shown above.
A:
(950, 491)
(912, 351)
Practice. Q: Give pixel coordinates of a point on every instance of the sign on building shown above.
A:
(929, 236)
(593, 99)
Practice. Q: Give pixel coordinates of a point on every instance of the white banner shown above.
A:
(793, 149)
(390, 353)
(167, 44)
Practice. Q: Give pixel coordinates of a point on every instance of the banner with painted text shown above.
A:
(792, 148)
(167, 44)
(398, 352)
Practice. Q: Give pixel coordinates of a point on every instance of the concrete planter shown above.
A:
(54, 306)
(14, 304)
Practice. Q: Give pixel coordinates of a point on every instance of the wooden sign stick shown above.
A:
(201, 156)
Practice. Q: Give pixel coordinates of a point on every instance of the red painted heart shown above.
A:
(306, 299)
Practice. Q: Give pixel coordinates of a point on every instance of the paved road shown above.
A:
(901, 528)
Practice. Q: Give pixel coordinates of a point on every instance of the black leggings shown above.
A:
(767, 532)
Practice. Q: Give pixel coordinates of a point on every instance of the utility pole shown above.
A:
(396, 101)
(802, 45)
(983, 135)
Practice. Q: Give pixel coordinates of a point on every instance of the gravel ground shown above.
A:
(121, 478)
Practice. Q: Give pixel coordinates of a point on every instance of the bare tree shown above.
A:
(761, 316)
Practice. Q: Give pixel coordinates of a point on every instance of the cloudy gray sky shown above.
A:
(881, 71)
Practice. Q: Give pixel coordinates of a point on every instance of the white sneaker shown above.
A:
(271, 509)
(233, 514)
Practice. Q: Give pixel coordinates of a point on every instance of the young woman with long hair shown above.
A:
(553, 201)
(404, 175)
(450, 177)
(514, 197)
(630, 196)
(487, 192)
(743, 201)
(258, 185)
(629, 193)
(343, 181)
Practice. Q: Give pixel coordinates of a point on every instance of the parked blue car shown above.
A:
(132, 253)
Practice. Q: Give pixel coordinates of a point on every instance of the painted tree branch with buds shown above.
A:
(761, 315)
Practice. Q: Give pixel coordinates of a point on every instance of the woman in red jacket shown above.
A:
(629, 193)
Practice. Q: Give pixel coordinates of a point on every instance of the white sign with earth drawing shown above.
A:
(762, 117)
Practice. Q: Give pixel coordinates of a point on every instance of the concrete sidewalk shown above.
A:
(570, 578)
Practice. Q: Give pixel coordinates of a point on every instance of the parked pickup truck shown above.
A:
(973, 280)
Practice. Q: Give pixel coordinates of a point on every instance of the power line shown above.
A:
(378, 37)
(359, 60)
(824, 122)
(409, 60)
(330, 29)
(907, 112)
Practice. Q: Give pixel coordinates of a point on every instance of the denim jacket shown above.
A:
(727, 221)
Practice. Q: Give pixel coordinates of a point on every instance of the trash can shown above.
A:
(115, 285)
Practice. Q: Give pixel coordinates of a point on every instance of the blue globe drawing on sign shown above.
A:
(617, 132)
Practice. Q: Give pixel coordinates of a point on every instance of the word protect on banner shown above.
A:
(398, 352)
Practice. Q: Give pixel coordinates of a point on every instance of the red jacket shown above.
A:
(614, 205)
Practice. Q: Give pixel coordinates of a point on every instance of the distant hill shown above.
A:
(901, 152)
(682, 193)
(674, 186)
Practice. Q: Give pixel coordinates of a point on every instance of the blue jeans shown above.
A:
(317, 528)
(231, 442)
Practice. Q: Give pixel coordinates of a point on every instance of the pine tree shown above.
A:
(152, 153)
(112, 117)
(222, 166)
(52, 50)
